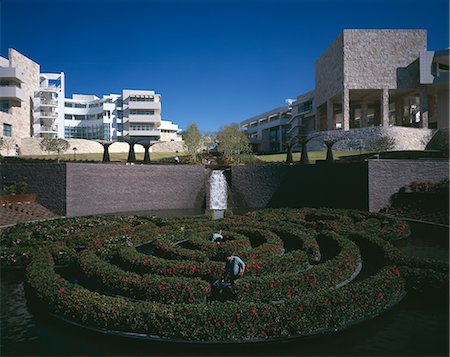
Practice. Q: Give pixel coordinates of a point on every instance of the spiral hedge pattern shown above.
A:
(305, 272)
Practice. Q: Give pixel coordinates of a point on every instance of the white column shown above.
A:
(399, 111)
(424, 107)
(330, 114)
(364, 114)
(384, 107)
(317, 123)
(346, 109)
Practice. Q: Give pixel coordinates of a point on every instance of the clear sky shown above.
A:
(213, 61)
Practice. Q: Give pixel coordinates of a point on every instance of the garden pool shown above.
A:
(419, 325)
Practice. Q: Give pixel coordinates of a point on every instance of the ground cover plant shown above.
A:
(153, 276)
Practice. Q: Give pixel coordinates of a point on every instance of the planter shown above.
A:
(30, 197)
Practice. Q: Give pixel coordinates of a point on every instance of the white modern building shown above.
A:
(33, 104)
(135, 114)
(48, 108)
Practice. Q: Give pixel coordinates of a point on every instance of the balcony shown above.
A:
(13, 93)
(48, 129)
(39, 102)
(154, 132)
(12, 74)
(142, 105)
(143, 118)
(46, 115)
(50, 88)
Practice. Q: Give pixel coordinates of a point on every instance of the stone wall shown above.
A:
(329, 72)
(372, 57)
(321, 185)
(30, 146)
(386, 177)
(48, 181)
(404, 138)
(107, 188)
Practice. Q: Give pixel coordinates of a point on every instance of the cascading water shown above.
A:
(218, 193)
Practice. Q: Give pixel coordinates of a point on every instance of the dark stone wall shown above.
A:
(386, 177)
(322, 185)
(107, 188)
(47, 180)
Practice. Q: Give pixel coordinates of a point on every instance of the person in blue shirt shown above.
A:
(217, 237)
(234, 268)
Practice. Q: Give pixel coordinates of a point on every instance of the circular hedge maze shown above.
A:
(307, 271)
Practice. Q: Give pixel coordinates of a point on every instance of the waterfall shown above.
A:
(218, 195)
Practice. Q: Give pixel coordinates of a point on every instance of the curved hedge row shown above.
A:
(215, 321)
(299, 269)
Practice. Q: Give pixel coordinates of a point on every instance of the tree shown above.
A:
(7, 143)
(54, 145)
(193, 140)
(233, 142)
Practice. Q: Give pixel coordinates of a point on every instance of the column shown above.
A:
(280, 138)
(317, 123)
(424, 107)
(399, 111)
(330, 115)
(346, 109)
(384, 107)
(364, 122)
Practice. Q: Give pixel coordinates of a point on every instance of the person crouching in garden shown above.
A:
(217, 237)
(234, 268)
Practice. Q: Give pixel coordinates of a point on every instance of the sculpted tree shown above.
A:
(54, 145)
(193, 139)
(233, 142)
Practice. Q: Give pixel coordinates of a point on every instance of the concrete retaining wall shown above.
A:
(403, 138)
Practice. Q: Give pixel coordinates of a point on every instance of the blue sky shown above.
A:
(214, 62)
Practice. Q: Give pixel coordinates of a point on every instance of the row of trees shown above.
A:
(230, 141)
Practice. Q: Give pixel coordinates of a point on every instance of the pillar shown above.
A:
(424, 107)
(280, 138)
(330, 115)
(384, 107)
(346, 109)
(364, 122)
(399, 111)
(317, 123)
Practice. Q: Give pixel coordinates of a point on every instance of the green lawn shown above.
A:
(313, 156)
(156, 156)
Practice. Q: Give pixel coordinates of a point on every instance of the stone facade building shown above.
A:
(373, 78)
(19, 79)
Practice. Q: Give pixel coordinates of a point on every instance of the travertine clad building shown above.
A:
(369, 78)
(19, 80)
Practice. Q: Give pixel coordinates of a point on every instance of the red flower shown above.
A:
(254, 311)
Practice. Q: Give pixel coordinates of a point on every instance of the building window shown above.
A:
(7, 129)
(142, 112)
(4, 106)
(142, 127)
(68, 105)
(79, 105)
(68, 116)
(142, 99)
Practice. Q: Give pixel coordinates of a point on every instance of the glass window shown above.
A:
(68, 116)
(142, 112)
(7, 129)
(4, 106)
